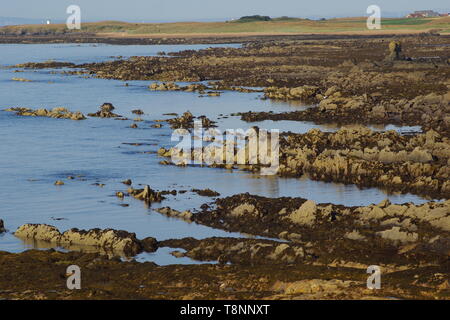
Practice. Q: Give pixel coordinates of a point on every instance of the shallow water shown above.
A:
(38, 151)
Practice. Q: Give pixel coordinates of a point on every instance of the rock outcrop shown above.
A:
(58, 113)
(105, 112)
(109, 240)
(147, 194)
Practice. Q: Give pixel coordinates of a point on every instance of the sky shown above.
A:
(208, 10)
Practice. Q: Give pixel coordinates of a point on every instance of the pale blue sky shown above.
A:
(176, 10)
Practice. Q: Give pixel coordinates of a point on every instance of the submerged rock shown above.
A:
(128, 182)
(206, 192)
(137, 111)
(21, 80)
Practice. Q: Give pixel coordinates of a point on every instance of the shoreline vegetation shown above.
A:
(317, 250)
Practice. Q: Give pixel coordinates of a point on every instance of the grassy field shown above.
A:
(274, 26)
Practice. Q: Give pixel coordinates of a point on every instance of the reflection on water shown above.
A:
(35, 152)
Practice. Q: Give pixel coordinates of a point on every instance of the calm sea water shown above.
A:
(35, 152)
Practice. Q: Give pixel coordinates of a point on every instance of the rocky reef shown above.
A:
(430, 112)
(395, 234)
(108, 240)
(104, 279)
(186, 121)
(58, 113)
(415, 163)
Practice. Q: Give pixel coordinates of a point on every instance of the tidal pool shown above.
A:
(35, 152)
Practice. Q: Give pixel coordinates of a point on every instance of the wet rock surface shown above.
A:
(186, 121)
(44, 65)
(206, 192)
(105, 111)
(413, 163)
(240, 251)
(105, 278)
(357, 155)
(430, 112)
(371, 83)
(58, 113)
(2, 226)
(146, 194)
(109, 240)
(397, 234)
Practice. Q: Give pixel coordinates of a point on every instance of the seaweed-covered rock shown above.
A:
(147, 194)
(105, 111)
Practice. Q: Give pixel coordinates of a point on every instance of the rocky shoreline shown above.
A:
(105, 278)
(296, 248)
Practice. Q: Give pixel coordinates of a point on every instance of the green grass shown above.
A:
(405, 22)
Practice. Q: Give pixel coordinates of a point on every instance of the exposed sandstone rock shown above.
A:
(313, 287)
(355, 235)
(395, 234)
(147, 194)
(238, 251)
(58, 113)
(361, 156)
(244, 209)
(304, 93)
(110, 240)
(185, 215)
(305, 215)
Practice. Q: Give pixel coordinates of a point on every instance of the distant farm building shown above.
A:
(423, 14)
